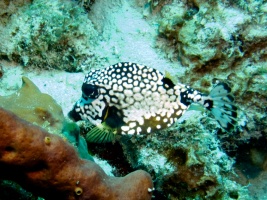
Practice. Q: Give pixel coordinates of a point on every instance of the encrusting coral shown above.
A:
(48, 166)
(221, 40)
(47, 34)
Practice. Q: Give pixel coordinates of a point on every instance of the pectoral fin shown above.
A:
(100, 134)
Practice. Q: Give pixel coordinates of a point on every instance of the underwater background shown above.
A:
(47, 47)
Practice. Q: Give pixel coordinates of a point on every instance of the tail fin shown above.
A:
(220, 103)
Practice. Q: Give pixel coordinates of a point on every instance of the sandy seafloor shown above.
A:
(126, 36)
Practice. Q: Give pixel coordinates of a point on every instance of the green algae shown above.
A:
(72, 132)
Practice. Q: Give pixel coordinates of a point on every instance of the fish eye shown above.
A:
(91, 91)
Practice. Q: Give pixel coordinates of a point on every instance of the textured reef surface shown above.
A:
(51, 44)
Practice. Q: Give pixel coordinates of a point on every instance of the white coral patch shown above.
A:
(150, 157)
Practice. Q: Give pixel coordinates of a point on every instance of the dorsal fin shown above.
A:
(172, 78)
(167, 83)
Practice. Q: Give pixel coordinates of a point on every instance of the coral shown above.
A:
(116, 158)
(30, 104)
(48, 34)
(54, 171)
(186, 161)
(205, 34)
(9, 7)
(86, 4)
(1, 71)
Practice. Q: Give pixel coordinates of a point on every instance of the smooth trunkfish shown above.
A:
(129, 98)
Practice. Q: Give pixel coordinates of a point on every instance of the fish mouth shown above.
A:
(73, 115)
(85, 100)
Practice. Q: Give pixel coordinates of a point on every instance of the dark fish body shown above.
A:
(129, 98)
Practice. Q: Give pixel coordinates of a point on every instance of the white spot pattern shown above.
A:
(138, 91)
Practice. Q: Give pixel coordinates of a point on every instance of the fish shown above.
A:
(132, 99)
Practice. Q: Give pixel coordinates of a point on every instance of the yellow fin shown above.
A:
(169, 76)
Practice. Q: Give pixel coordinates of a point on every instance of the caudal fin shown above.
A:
(220, 103)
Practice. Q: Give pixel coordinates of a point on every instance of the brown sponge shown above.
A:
(48, 166)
